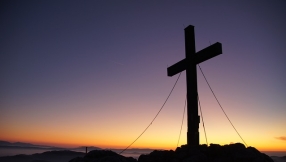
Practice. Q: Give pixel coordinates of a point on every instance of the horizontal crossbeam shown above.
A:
(201, 56)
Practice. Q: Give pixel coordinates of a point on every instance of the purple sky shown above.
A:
(100, 67)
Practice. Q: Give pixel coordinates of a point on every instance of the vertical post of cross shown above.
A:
(192, 88)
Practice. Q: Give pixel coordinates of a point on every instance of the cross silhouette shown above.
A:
(189, 64)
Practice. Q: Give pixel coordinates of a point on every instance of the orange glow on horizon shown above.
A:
(140, 145)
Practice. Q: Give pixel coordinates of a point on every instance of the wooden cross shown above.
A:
(189, 64)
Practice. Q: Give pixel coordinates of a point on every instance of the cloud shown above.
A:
(283, 138)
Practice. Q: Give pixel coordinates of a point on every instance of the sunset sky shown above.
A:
(77, 73)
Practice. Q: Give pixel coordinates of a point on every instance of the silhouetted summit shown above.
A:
(49, 156)
(103, 155)
(203, 153)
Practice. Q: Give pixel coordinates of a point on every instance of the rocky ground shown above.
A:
(49, 156)
(103, 156)
(203, 153)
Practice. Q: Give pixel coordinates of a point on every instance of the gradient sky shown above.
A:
(95, 72)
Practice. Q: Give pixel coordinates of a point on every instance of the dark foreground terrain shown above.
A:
(203, 153)
(213, 153)
(49, 156)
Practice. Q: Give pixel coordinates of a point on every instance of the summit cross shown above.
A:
(189, 64)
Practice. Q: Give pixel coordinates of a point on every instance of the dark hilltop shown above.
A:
(48, 156)
(202, 153)
(213, 153)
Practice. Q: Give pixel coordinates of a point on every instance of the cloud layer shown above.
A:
(283, 138)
